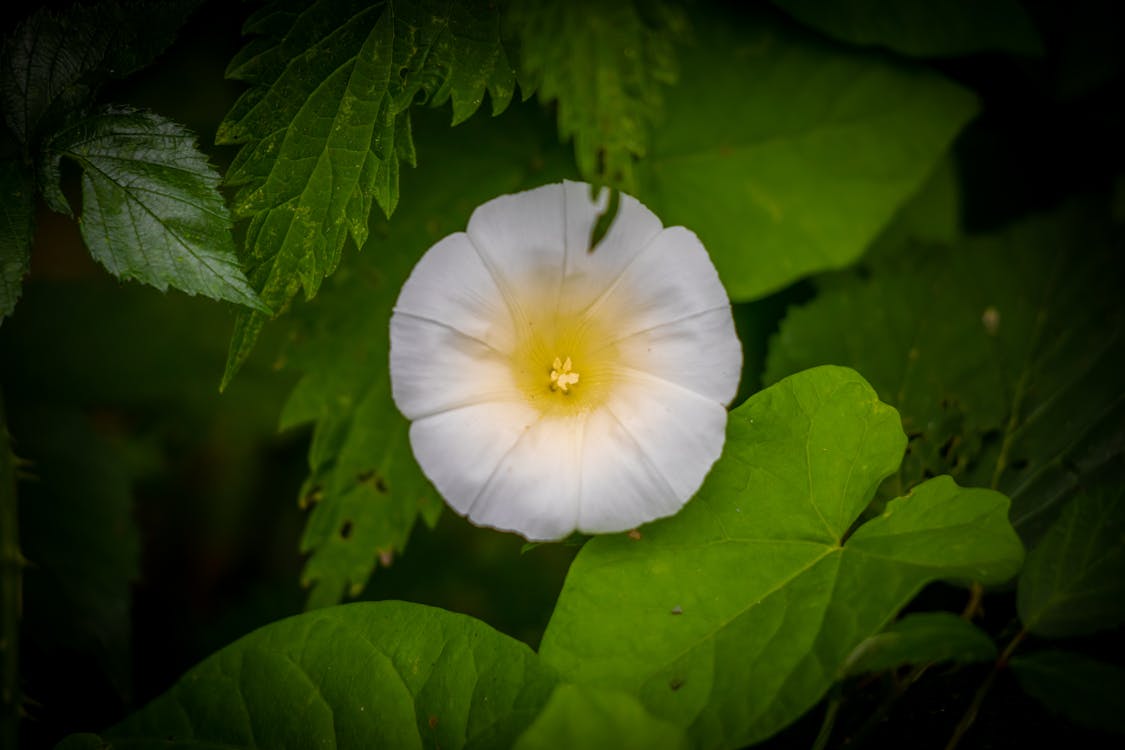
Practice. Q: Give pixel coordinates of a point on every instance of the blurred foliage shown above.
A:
(928, 193)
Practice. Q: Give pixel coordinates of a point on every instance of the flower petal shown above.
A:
(534, 489)
(621, 488)
(701, 353)
(435, 367)
(590, 274)
(525, 238)
(460, 449)
(451, 285)
(678, 431)
(671, 280)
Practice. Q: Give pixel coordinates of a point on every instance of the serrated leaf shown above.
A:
(938, 28)
(151, 208)
(1087, 691)
(17, 225)
(584, 717)
(381, 674)
(53, 61)
(605, 65)
(735, 616)
(1074, 579)
(787, 155)
(325, 125)
(365, 488)
(921, 638)
(1003, 355)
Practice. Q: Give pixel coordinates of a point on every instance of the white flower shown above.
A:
(552, 387)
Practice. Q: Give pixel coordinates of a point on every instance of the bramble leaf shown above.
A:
(17, 225)
(787, 154)
(371, 674)
(365, 488)
(1074, 579)
(151, 208)
(325, 124)
(605, 64)
(735, 616)
(937, 28)
(1003, 355)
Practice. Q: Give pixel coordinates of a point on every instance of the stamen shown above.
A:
(561, 376)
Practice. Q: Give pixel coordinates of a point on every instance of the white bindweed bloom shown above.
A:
(554, 387)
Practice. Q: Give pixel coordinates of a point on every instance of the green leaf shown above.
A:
(1088, 692)
(1074, 580)
(1003, 355)
(151, 208)
(325, 125)
(365, 487)
(17, 225)
(587, 717)
(786, 154)
(380, 674)
(53, 61)
(734, 617)
(921, 638)
(937, 28)
(605, 64)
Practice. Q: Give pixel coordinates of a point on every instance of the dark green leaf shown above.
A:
(786, 154)
(325, 125)
(734, 617)
(367, 491)
(1088, 692)
(919, 639)
(605, 64)
(937, 28)
(381, 674)
(1074, 580)
(151, 208)
(584, 717)
(1003, 355)
(17, 225)
(52, 61)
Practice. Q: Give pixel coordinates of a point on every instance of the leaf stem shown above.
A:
(11, 593)
(971, 712)
(829, 722)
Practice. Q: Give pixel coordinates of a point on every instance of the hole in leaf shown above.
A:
(381, 485)
(346, 530)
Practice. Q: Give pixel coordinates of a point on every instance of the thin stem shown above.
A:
(829, 722)
(976, 593)
(971, 712)
(11, 594)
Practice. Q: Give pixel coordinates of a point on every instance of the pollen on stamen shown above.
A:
(561, 376)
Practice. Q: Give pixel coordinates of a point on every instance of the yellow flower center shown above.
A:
(564, 365)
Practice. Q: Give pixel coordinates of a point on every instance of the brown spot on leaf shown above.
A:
(635, 535)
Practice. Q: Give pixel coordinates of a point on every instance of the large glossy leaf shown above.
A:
(325, 124)
(1087, 691)
(17, 224)
(151, 208)
(1003, 355)
(921, 638)
(1074, 580)
(585, 717)
(937, 28)
(383, 674)
(734, 617)
(366, 488)
(787, 154)
(605, 64)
